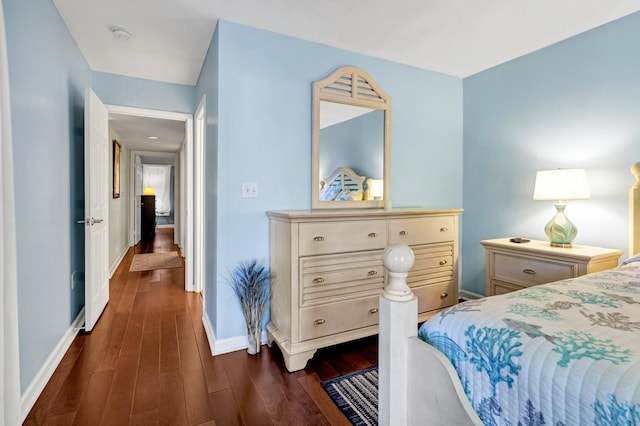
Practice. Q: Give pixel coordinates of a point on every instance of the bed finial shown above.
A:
(398, 259)
(635, 170)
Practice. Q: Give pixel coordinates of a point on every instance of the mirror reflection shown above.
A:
(351, 136)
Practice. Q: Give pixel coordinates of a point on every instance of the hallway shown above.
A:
(148, 362)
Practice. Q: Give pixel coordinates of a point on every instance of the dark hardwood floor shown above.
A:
(148, 362)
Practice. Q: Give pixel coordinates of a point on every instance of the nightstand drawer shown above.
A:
(324, 320)
(528, 271)
(342, 236)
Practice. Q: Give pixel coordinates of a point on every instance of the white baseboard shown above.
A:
(115, 265)
(168, 225)
(233, 344)
(208, 330)
(35, 388)
(469, 295)
(219, 347)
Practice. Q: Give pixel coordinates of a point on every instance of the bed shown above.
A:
(563, 353)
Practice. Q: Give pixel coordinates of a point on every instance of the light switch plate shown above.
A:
(250, 190)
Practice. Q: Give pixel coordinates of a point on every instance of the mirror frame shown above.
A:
(338, 87)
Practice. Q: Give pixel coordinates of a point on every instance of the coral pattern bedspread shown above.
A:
(564, 353)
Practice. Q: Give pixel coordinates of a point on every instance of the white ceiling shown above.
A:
(456, 37)
(133, 132)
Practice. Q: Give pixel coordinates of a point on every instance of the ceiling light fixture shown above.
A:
(152, 138)
(121, 34)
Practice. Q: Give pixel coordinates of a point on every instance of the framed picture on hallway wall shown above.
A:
(116, 169)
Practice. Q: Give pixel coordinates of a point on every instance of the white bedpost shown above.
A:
(398, 322)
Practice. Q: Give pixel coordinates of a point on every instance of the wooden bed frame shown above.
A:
(417, 383)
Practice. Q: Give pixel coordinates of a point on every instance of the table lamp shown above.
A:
(561, 184)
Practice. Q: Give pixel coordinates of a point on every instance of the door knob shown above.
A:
(90, 221)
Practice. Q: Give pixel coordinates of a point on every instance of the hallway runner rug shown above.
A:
(356, 394)
(151, 261)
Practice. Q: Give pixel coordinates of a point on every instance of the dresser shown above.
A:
(148, 217)
(327, 272)
(514, 266)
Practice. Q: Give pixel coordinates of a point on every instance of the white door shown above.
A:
(137, 200)
(97, 189)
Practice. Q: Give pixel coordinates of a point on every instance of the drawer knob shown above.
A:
(403, 233)
(318, 238)
(372, 235)
(443, 262)
(372, 273)
(373, 311)
(444, 229)
(319, 322)
(529, 271)
(443, 295)
(318, 280)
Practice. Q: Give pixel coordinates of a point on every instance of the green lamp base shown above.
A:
(560, 231)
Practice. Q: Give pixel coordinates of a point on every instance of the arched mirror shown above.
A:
(351, 142)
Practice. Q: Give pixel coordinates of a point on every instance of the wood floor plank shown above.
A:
(41, 410)
(248, 401)
(72, 390)
(172, 410)
(311, 384)
(60, 420)
(95, 396)
(132, 341)
(111, 352)
(120, 400)
(196, 396)
(189, 353)
(148, 381)
(146, 418)
(169, 353)
(224, 408)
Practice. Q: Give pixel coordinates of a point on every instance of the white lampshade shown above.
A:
(561, 184)
(377, 189)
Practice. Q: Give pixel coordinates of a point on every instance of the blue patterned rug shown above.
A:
(356, 394)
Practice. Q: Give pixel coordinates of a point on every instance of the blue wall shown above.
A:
(264, 136)
(140, 93)
(573, 104)
(47, 76)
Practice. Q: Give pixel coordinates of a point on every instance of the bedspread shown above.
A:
(563, 353)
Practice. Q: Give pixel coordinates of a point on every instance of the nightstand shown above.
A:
(514, 266)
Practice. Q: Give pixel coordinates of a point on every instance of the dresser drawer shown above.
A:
(436, 296)
(433, 263)
(324, 320)
(341, 236)
(331, 278)
(412, 231)
(529, 271)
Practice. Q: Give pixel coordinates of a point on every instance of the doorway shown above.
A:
(185, 211)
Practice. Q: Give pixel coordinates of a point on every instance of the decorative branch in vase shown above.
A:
(250, 283)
